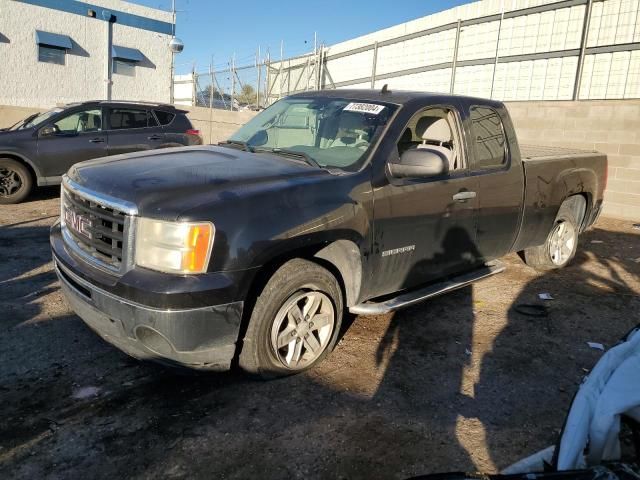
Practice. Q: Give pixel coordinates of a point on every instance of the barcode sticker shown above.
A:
(371, 108)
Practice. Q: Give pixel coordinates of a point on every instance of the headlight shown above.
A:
(174, 247)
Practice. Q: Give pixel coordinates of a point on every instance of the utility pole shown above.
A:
(110, 19)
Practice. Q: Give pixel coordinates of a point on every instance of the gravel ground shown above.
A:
(463, 382)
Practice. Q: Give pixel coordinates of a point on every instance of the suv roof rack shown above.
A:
(151, 104)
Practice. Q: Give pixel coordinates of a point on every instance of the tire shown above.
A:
(278, 316)
(16, 181)
(562, 242)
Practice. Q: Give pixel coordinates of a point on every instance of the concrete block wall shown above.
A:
(10, 115)
(609, 126)
(214, 125)
(217, 125)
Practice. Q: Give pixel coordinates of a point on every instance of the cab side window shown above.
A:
(488, 138)
(78, 122)
(435, 129)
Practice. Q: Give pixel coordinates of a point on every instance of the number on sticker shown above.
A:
(371, 108)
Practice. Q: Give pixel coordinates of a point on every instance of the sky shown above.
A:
(211, 27)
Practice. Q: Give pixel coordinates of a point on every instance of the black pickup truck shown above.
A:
(250, 252)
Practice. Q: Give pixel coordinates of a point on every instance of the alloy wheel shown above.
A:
(562, 243)
(10, 182)
(302, 329)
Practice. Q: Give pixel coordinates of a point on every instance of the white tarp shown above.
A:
(611, 389)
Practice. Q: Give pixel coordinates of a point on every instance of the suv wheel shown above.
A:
(295, 321)
(15, 181)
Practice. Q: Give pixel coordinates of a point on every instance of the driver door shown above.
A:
(76, 137)
(425, 227)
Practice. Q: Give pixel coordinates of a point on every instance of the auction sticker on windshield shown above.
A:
(371, 108)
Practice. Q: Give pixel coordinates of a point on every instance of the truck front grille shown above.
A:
(97, 231)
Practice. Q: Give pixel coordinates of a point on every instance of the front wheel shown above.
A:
(562, 242)
(295, 321)
(15, 181)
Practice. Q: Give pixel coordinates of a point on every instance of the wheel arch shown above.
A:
(24, 161)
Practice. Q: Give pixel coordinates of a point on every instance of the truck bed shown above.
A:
(551, 175)
(541, 152)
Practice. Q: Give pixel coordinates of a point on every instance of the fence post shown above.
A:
(281, 65)
(374, 64)
(455, 57)
(583, 48)
(258, 81)
(211, 84)
(233, 79)
(495, 65)
(321, 71)
(267, 99)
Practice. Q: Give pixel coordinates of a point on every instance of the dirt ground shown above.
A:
(463, 382)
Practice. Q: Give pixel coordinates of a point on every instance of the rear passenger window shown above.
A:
(489, 139)
(165, 118)
(121, 118)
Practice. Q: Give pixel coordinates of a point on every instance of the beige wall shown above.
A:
(10, 115)
(216, 125)
(609, 126)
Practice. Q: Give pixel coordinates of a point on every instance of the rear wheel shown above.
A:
(15, 181)
(295, 321)
(562, 242)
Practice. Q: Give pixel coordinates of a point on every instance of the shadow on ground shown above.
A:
(463, 382)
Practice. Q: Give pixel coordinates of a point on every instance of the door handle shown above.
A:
(97, 140)
(464, 196)
(154, 137)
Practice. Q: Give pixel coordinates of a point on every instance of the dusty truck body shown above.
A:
(360, 200)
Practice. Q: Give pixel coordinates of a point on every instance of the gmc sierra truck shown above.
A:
(250, 252)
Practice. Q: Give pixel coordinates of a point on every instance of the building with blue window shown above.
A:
(61, 51)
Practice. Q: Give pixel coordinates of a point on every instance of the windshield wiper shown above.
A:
(237, 143)
(292, 153)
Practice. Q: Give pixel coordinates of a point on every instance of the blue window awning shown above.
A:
(124, 53)
(53, 40)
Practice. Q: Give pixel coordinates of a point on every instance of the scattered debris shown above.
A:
(545, 296)
(596, 346)
(85, 392)
(32, 294)
(532, 310)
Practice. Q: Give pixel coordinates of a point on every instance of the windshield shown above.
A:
(34, 121)
(330, 132)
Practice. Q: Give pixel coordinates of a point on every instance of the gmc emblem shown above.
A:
(77, 222)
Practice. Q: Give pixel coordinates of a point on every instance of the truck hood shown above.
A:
(165, 183)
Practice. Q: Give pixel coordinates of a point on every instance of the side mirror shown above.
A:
(260, 138)
(420, 163)
(48, 131)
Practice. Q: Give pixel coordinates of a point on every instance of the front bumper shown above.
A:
(201, 337)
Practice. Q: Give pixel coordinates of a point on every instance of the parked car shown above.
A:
(331, 200)
(41, 148)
